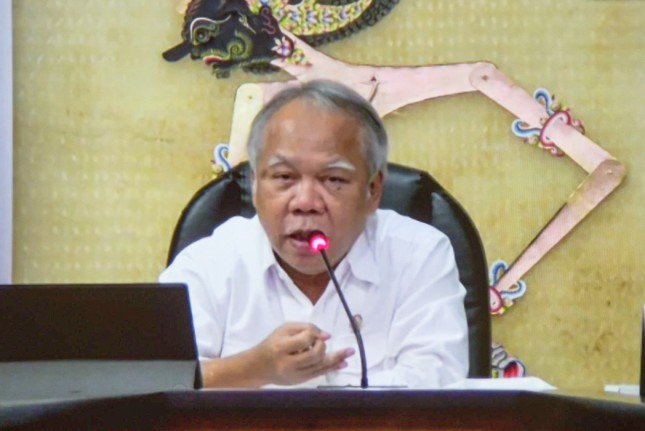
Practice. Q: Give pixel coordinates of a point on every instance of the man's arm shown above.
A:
(292, 354)
(429, 333)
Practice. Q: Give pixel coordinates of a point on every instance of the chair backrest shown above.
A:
(408, 191)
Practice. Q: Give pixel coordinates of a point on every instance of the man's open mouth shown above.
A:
(302, 236)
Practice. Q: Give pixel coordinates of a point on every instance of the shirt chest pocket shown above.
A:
(375, 350)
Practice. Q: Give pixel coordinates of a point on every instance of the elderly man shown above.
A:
(264, 309)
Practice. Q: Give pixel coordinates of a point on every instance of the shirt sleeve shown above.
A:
(208, 311)
(428, 339)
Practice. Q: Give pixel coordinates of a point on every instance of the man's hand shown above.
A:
(292, 354)
(296, 352)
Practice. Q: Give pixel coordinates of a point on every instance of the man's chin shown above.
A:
(310, 265)
(305, 269)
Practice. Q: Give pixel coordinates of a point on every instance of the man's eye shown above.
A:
(336, 180)
(283, 177)
(333, 183)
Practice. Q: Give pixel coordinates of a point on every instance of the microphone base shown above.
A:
(359, 388)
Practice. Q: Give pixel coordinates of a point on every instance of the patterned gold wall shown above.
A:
(111, 142)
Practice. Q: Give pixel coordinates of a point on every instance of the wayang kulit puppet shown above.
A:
(261, 36)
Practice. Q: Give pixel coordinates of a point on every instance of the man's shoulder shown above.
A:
(233, 236)
(232, 250)
(239, 227)
(391, 225)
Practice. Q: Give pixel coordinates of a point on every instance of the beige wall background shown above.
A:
(111, 142)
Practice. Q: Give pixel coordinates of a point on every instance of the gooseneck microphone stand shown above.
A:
(318, 242)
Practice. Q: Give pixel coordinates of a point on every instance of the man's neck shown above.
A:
(312, 285)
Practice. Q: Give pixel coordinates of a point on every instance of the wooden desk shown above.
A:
(331, 410)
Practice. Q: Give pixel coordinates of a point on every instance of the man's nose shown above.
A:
(307, 198)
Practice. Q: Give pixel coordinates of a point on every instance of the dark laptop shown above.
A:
(79, 341)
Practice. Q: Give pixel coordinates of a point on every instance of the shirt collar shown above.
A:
(361, 258)
(266, 258)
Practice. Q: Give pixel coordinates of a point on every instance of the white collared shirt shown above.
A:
(400, 277)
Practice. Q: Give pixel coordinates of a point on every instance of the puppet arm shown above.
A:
(391, 88)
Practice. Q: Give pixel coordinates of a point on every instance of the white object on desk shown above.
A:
(623, 389)
(511, 384)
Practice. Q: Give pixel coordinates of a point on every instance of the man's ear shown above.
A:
(375, 190)
(254, 186)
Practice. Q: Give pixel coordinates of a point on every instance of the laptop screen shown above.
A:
(102, 321)
(61, 340)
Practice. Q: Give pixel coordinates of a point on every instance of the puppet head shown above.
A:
(225, 34)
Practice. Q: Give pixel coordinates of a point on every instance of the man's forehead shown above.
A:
(294, 161)
(299, 108)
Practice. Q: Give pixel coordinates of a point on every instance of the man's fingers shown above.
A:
(341, 355)
(294, 328)
(330, 362)
(296, 352)
(314, 372)
(311, 356)
(303, 341)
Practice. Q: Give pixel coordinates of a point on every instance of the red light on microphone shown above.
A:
(318, 242)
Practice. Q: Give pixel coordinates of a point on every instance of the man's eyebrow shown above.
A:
(341, 164)
(277, 160)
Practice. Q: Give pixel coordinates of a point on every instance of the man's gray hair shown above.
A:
(336, 98)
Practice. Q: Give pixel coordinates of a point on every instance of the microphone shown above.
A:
(318, 243)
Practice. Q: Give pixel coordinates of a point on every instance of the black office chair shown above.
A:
(408, 191)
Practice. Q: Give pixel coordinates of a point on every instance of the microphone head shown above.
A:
(318, 242)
